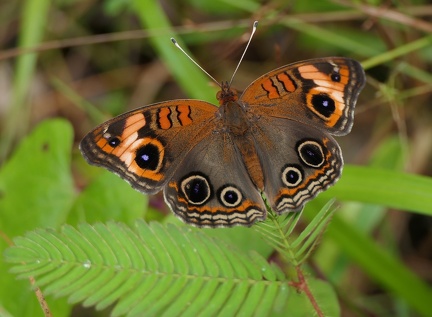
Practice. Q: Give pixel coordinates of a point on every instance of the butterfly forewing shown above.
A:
(144, 146)
(319, 92)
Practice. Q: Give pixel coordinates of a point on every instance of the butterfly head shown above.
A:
(226, 94)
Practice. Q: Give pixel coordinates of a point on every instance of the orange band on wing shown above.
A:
(287, 82)
(184, 115)
(272, 92)
(164, 118)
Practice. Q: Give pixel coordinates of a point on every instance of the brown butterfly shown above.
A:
(215, 163)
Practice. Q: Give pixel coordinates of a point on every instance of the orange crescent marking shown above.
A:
(293, 191)
(240, 209)
(136, 170)
(153, 176)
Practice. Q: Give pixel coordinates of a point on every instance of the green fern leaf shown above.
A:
(152, 269)
(278, 232)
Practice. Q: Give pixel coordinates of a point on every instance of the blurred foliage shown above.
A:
(86, 61)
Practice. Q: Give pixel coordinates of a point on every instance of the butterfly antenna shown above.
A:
(255, 25)
(193, 61)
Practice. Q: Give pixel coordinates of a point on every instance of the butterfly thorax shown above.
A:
(235, 122)
(233, 119)
(232, 113)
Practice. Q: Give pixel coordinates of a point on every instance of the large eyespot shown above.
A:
(229, 196)
(311, 153)
(196, 189)
(292, 175)
(323, 104)
(150, 155)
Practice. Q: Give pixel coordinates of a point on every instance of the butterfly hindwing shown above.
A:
(305, 162)
(212, 187)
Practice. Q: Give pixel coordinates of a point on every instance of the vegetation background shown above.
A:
(67, 65)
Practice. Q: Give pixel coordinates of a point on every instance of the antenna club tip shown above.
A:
(255, 24)
(173, 40)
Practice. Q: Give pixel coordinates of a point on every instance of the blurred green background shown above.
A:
(87, 61)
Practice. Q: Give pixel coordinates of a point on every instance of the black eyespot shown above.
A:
(196, 189)
(335, 77)
(230, 196)
(323, 104)
(292, 175)
(311, 153)
(114, 141)
(148, 157)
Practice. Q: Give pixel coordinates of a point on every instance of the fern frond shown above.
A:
(152, 269)
(277, 231)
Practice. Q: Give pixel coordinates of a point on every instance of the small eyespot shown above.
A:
(335, 77)
(292, 175)
(323, 104)
(114, 141)
(311, 153)
(196, 189)
(229, 196)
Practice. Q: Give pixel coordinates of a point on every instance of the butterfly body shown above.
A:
(214, 164)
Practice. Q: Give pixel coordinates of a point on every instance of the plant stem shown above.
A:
(302, 286)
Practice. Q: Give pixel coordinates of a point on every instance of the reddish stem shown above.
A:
(302, 286)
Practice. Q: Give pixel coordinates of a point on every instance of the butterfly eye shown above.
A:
(196, 189)
(292, 175)
(311, 153)
(229, 196)
(323, 104)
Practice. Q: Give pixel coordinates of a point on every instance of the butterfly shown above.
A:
(215, 164)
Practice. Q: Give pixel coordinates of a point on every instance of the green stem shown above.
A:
(397, 52)
(34, 14)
